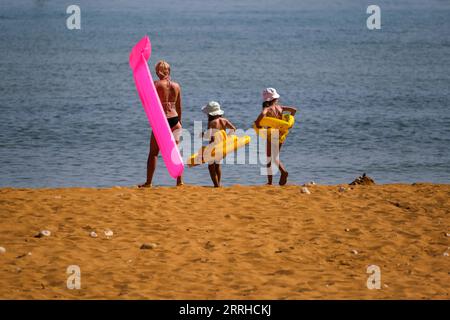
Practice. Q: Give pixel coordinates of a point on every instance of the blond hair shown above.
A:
(162, 69)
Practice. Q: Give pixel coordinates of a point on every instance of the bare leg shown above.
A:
(269, 160)
(212, 173)
(278, 163)
(176, 133)
(151, 162)
(218, 168)
(284, 173)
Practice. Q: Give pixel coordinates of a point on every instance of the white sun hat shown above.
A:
(269, 94)
(213, 109)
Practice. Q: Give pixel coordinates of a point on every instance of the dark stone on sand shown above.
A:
(363, 180)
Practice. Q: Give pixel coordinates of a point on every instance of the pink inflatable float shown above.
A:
(152, 105)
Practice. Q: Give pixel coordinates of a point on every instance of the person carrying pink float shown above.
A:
(169, 93)
(162, 104)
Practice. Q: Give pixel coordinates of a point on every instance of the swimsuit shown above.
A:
(169, 107)
(173, 121)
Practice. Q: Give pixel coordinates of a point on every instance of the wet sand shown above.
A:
(231, 243)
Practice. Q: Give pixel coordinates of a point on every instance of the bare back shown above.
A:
(169, 94)
(219, 124)
(274, 111)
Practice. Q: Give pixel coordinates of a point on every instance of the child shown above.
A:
(271, 108)
(216, 122)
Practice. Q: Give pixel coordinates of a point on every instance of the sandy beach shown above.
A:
(237, 242)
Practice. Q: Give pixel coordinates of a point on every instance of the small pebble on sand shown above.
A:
(305, 190)
(447, 234)
(445, 254)
(43, 233)
(109, 233)
(147, 246)
(342, 189)
(93, 234)
(2, 250)
(347, 230)
(355, 251)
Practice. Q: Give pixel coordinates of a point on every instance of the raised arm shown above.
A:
(291, 110)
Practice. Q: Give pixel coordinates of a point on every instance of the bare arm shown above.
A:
(178, 104)
(291, 110)
(230, 126)
(258, 120)
(207, 134)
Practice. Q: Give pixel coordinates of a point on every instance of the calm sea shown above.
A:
(370, 101)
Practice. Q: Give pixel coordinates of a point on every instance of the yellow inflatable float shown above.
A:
(269, 123)
(217, 150)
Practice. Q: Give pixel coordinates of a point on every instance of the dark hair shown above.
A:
(211, 118)
(268, 103)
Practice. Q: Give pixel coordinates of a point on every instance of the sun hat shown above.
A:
(213, 109)
(269, 94)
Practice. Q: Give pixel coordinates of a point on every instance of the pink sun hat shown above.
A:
(269, 94)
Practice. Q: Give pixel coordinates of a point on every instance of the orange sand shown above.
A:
(231, 243)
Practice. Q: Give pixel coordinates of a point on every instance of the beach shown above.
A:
(238, 242)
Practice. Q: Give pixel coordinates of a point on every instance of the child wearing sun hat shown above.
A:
(216, 122)
(271, 108)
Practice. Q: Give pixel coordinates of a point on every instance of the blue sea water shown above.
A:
(370, 101)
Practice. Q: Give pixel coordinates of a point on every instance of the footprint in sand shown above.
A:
(148, 246)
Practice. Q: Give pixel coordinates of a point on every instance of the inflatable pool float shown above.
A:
(269, 123)
(223, 144)
(152, 105)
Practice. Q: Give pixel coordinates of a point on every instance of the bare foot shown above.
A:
(179, 182)
(283, 178)
(145, 185)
